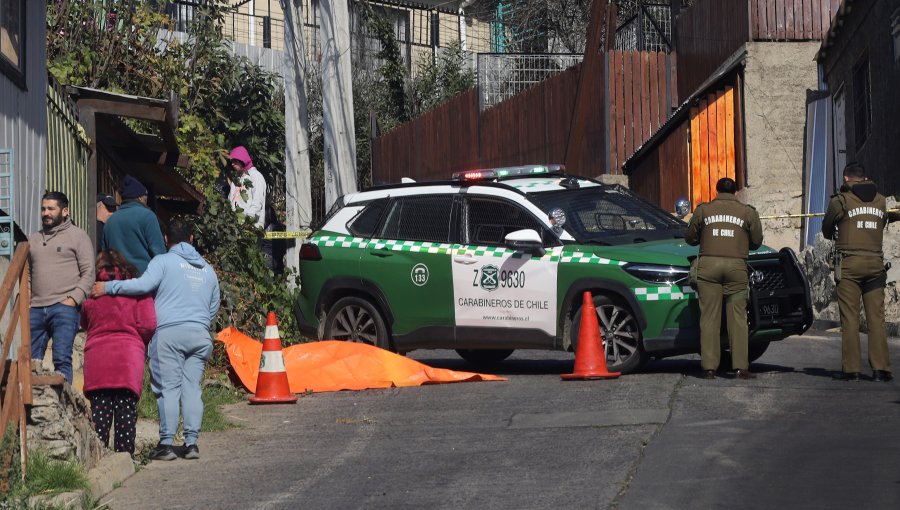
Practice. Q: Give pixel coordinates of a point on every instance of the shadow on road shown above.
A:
(517, 366)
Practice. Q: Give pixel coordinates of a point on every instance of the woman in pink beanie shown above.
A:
(118, 330)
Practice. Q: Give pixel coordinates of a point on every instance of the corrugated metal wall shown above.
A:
(67, 156)
(23, 120)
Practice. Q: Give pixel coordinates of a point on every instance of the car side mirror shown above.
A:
(682, 207)
(527, 240)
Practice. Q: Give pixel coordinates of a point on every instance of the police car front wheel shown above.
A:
(620, 332)
(355, 319)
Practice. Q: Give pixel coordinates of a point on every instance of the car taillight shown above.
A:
(310, 251)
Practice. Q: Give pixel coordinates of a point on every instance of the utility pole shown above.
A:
(298, 201)
(337, 99)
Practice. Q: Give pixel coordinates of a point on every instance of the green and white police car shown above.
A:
(496, 260)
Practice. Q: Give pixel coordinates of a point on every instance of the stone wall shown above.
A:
(776, 77)
(815, 260)
(59, 421)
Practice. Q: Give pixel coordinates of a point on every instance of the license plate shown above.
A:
(769, 309)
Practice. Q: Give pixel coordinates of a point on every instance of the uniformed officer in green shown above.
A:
(856, 218)
(726, 231)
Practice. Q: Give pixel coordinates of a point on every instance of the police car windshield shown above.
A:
(610, 215)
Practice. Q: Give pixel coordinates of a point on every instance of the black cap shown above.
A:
(107, 199)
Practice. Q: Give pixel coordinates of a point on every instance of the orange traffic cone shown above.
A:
(590, 358)
(272, 383)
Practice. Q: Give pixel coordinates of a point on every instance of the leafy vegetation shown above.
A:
(130, 46)
(225, 101)
(44, 476)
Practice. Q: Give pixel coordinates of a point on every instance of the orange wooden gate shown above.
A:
(712, 143)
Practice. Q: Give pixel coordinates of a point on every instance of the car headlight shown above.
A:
(653, 273)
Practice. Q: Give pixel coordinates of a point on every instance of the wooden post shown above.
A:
(24, 398)
(25, 330)
(575, 145)
(8, 337)
(9, 399)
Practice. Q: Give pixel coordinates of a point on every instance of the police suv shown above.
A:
(496, 260)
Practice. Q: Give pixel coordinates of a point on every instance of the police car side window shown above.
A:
(490, 220)
(366, 221)
(425, 218)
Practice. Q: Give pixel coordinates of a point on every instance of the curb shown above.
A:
(110, 471)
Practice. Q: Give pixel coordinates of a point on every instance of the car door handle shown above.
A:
(381, 252)
(465, 259)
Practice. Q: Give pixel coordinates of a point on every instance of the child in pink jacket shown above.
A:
(118, 330)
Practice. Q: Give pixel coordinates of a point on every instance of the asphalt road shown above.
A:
(660, 439)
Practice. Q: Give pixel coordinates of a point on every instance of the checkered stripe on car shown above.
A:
(410, 246)
(672, 293)
(339, 241)
(579, 257)
(552, 255)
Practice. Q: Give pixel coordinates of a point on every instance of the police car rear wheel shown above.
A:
(355, 319)
(484, 356)
(620, 332)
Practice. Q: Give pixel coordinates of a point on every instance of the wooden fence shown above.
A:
(15, 381)
(791, 20)
(710, 31)
(712, 143)
(641, 99)
(631, 97)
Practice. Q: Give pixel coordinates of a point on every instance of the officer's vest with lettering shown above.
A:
(861, 229)
(725, 229)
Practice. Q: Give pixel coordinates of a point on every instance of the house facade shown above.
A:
(420, 27)
(23, 112)
(743, 72)
(860, 60)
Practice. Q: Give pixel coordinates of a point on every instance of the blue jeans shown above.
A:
(178, 356)
(59, 322)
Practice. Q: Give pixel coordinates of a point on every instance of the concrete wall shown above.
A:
(777, 76)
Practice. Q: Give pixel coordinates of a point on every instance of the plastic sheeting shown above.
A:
(332, 365)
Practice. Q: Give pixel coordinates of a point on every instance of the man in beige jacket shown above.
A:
(62, 272)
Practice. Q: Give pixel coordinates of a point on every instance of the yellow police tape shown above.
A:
(807, 215)
(299, 234)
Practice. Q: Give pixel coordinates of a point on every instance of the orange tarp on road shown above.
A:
(333, 365)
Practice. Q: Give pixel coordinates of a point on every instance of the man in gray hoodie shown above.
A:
(186, 301)
(61, 257)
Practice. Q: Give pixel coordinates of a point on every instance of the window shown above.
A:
(862, 105)
(12, 40)
(490, 220)
(420, 219)
(365, 223)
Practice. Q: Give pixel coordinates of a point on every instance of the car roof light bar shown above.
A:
(509, 171)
